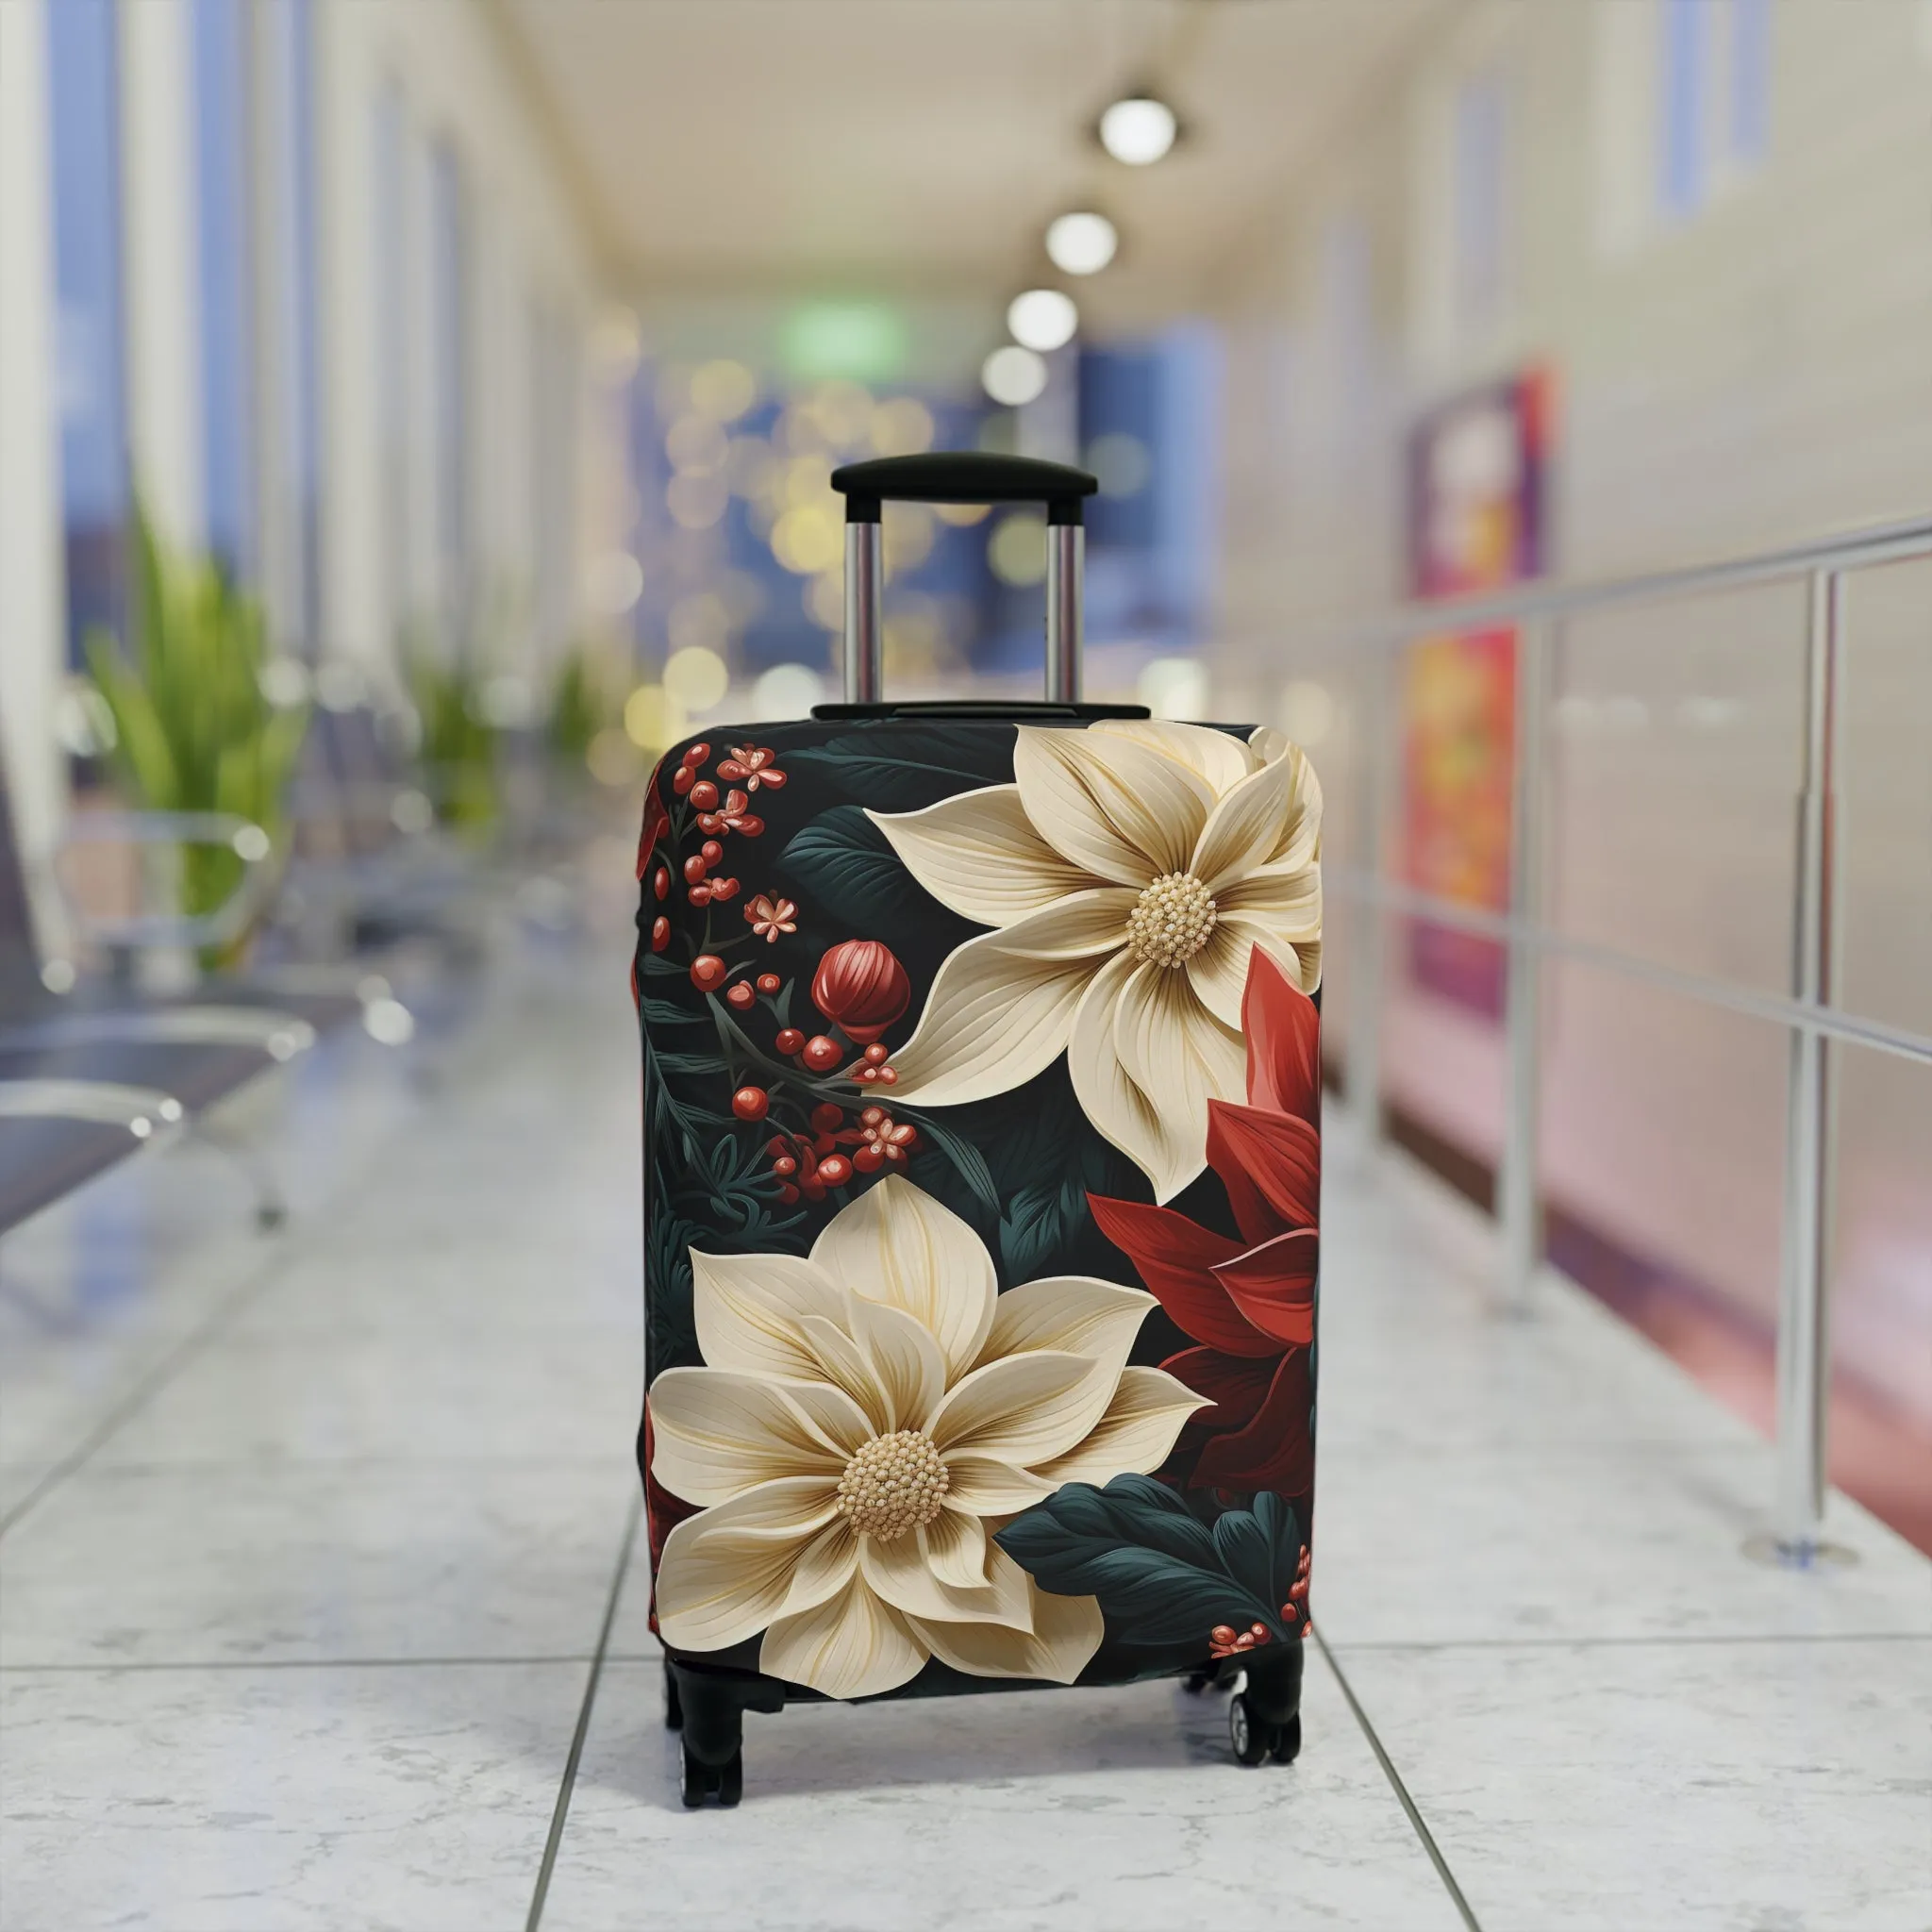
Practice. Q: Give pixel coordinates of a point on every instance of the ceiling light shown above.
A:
(1138, 130)
(1013, 375)
(1081, 244)
(1042, 319)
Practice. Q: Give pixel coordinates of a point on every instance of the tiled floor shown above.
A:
(310, 1543)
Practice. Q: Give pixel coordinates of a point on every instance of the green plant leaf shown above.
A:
(843, 861)
(1162, 1578)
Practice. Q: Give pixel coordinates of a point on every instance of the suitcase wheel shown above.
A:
(673, 1704)
(1255, 1739)
(724, 1782)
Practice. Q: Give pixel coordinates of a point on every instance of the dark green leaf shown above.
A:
(843, 861)
(1162, 1578)
(966, 1158)
(905, 770)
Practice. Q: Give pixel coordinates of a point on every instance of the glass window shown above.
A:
(1750, 79)
(92, 380)
(295, 488)
(227, 362)
(448, 253)
(1480, 186)
(392, 342)
(1684, 84)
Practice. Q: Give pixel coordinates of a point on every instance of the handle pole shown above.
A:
(865, 586)
(1066, 569)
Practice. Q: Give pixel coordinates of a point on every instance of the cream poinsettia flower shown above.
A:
(864, 1419)
(1129, 872)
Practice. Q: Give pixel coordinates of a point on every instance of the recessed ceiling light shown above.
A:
(1013, 375)
(1042, 319)
(1138, 130)
(1081, 244)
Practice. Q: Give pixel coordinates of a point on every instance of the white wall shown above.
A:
(1757, 372)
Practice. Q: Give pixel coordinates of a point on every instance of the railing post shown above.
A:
(1369, 977)
(1518, 1183)
(1804, 1353)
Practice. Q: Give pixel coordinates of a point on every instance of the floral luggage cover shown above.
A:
(982, 1165)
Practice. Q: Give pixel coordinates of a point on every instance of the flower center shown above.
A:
(896, 1483)
(1171, 920)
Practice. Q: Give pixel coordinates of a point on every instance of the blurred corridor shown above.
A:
(415, 418)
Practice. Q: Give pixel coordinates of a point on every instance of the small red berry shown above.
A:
(821, 1053)
(707, 971)
(835, 1170)
(888, 1076)
(750, 1103)
(660, 933)
(787, 1192)
(699, 894)
(713, 851)
(660, 880)
(769, 982)
(872, 1117)
(681, 780)
(1222, 1634)
(1259, 1632)
(694, 869)
(868, 1073)
(723, 888)
(1288, 1613)
(867, 1160)
(1246, 1640)
(704, 795)
(708, 822)
(783, 1166)
(740, 996)
(826, 1117)
(696, 756)
(877, 1052)
(788, 1041)
(730, 771)
(812, 1188)
(751, 825)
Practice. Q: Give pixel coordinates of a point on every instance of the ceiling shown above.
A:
(736, 148)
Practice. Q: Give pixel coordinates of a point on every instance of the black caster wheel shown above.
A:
(731, 1781)
(697, 1782)
(673, 1704)
(1195, 1682)
(1286, 1746)
(1247, 1731)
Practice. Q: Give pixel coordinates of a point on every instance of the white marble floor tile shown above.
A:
(452, 1287)
(314, 1562)
(1049, 1809)
(1586, 1541)
(411, 1799)
(537, 1395)
(1751, 1787)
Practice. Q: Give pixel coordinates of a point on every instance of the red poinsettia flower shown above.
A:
(1249, 1302)
(752, 765)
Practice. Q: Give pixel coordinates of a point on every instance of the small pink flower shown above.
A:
(752, 763)
(769, 917)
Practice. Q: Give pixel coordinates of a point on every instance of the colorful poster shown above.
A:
(1477, 468)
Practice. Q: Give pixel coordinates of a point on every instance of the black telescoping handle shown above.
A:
(963, 476)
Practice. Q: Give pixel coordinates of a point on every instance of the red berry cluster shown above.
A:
(1224, 1640)
(717, 817)
(808, 1164)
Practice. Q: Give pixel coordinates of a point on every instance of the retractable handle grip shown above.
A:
(962, 477)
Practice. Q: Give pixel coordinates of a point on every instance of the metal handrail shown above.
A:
(1538, 611)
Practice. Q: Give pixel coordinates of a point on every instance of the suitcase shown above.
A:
(982, 1160)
